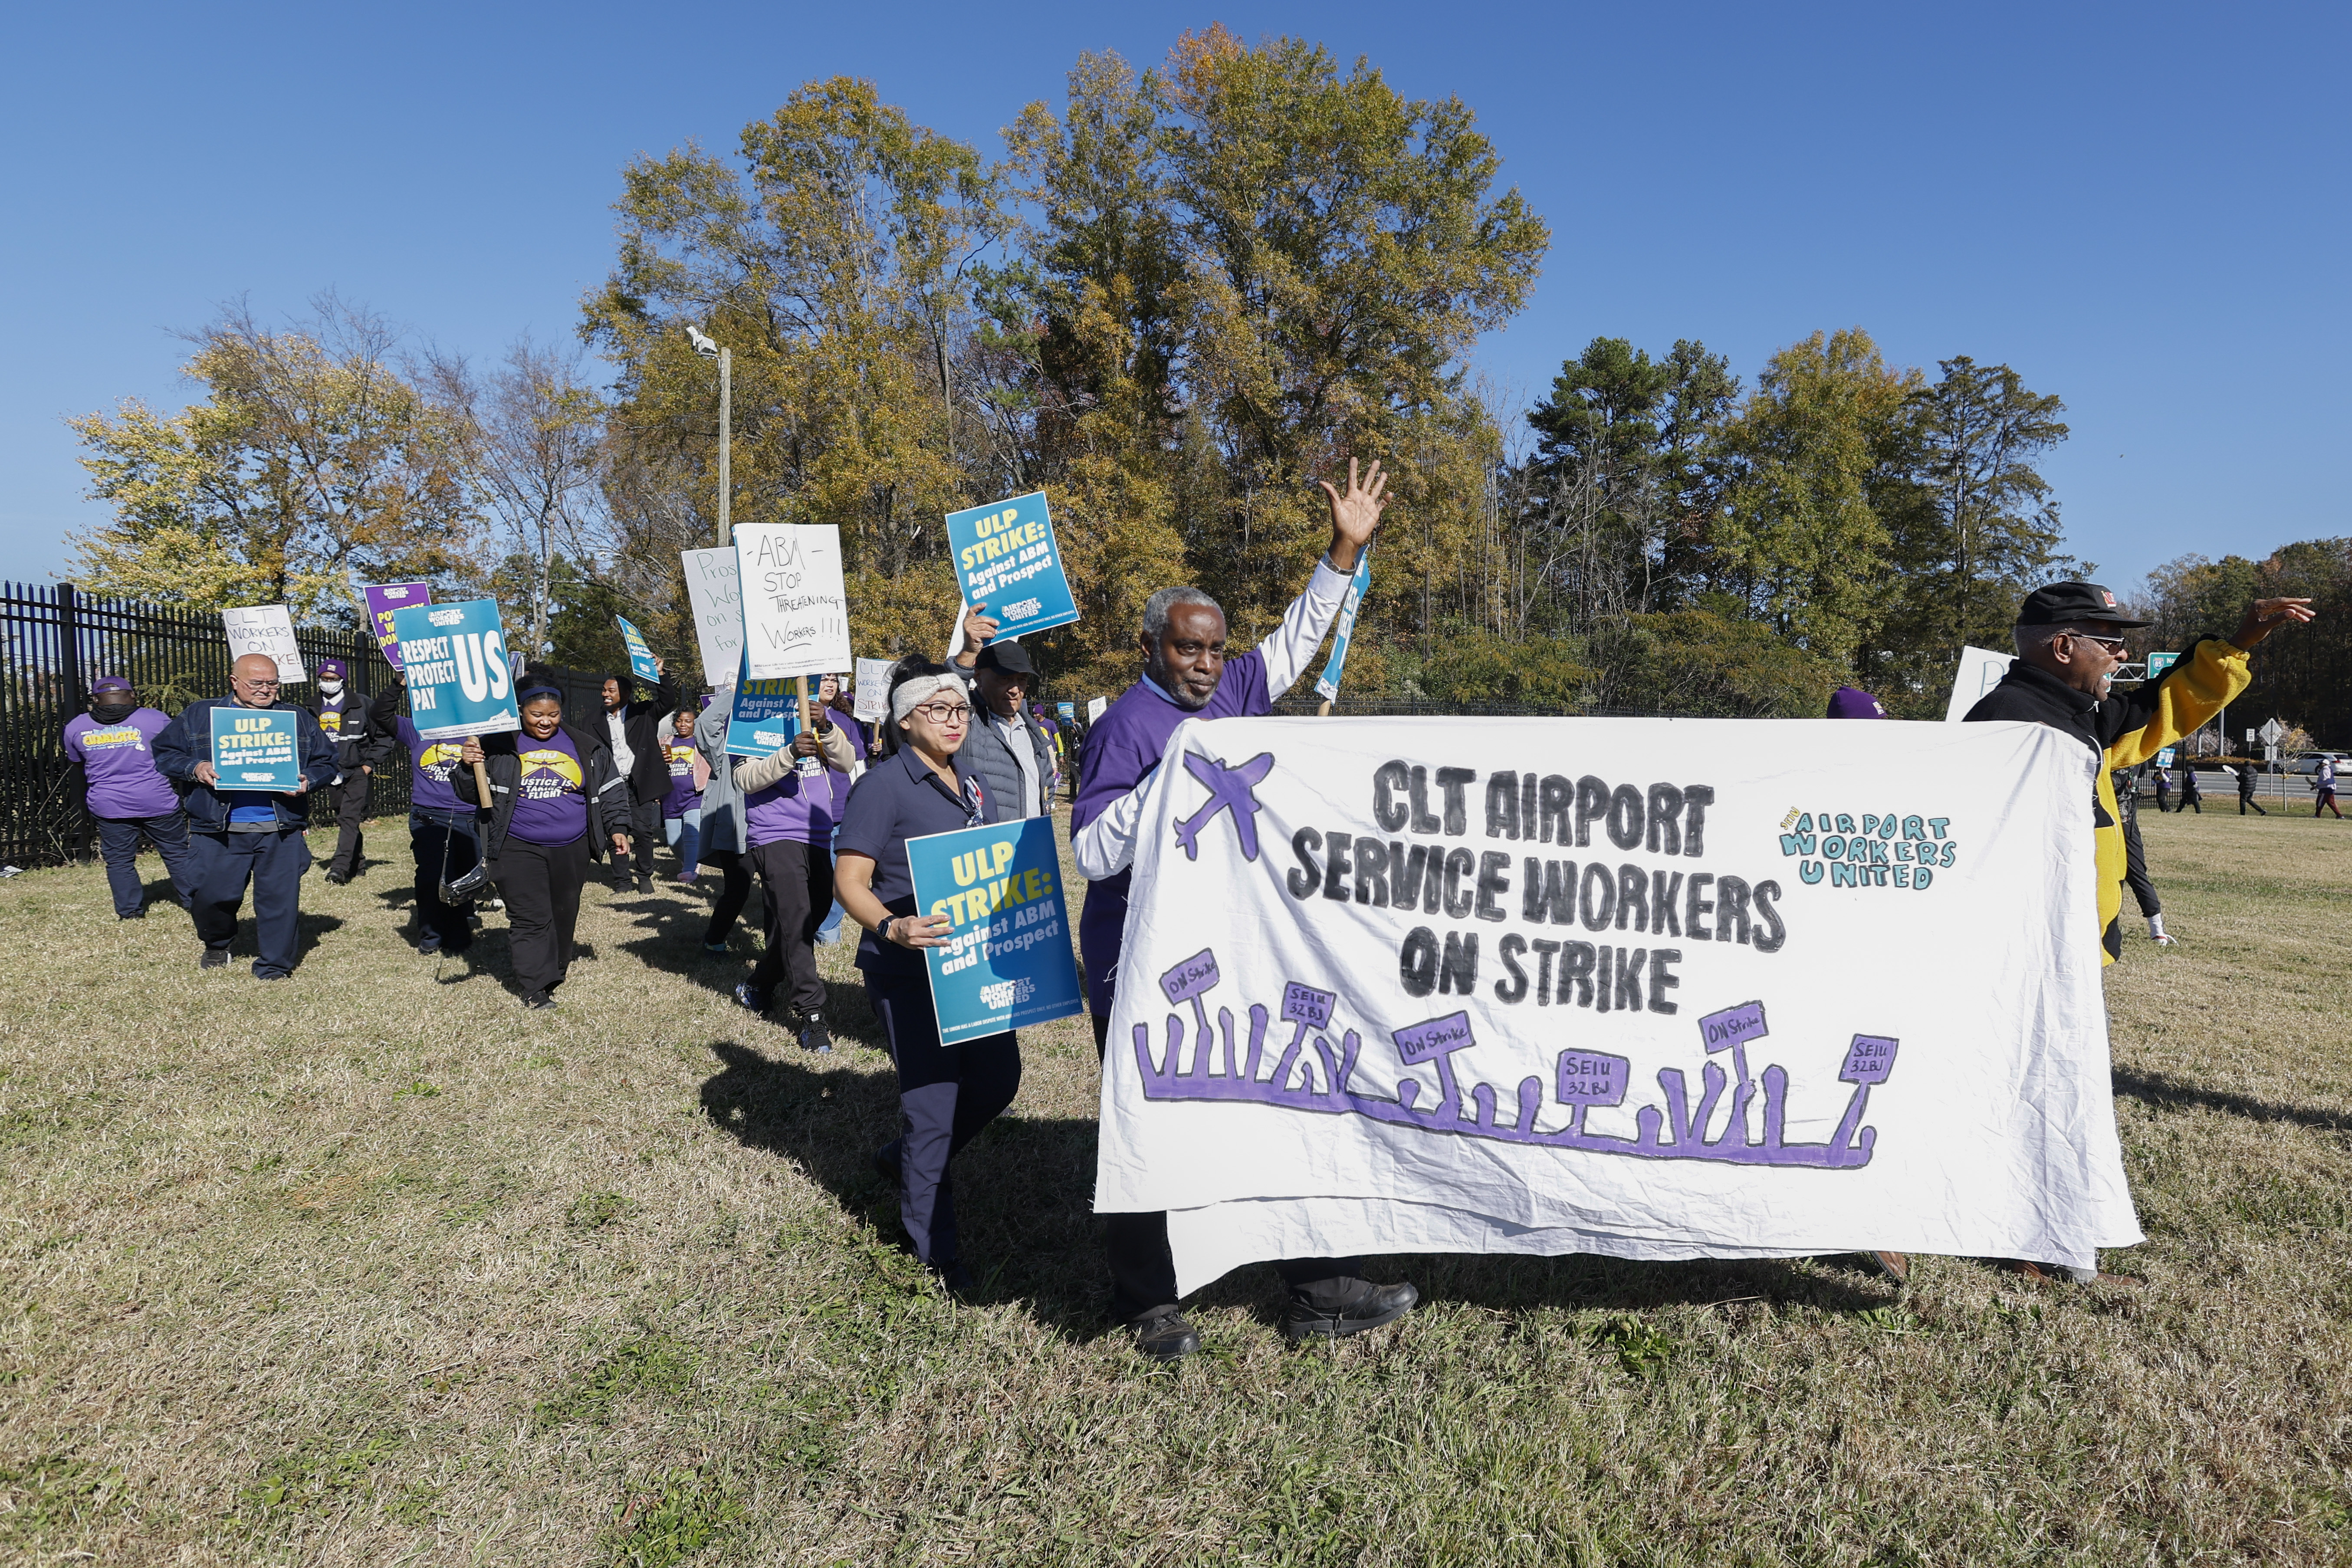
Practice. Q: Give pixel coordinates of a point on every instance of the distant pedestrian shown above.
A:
(2136, 876)
(346, 720)
(2322, 783)
(247, 836)
(2246, 780)
(2189, 799)
(631, 731)
(682, 807)
(2163, 790)
(128, 797)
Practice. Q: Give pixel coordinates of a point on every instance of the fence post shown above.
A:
(69, 648)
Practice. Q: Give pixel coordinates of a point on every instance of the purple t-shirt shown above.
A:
(430, 763)
(551, 798)
(797, 809)
(1126, 743)
(118, 761)
(683, 798)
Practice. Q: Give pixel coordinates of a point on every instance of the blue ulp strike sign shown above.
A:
(1006, 558)
(1008, 962)
(454, 659)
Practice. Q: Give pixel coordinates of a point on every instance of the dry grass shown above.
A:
(374, 1268)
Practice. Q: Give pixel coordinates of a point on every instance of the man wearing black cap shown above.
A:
(2069, 645)
(342, 716)
(1013, 756)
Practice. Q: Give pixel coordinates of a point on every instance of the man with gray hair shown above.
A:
(1186, 675)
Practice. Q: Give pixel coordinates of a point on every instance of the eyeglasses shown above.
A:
(2113, 645)
(256, 684)
(942, 714)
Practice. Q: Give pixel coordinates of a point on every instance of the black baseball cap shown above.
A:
(2062, 602)
(1008, 657)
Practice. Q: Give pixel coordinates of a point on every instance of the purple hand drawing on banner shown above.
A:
(1585, 1078)
(1234, 789)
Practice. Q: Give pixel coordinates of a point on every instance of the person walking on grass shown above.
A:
(722, 821)
(346, 719)
(682, 807)
(632, 733)
(2069, 646)
(946, 1094)
(788, 818)
(2247, 778)
(113, 746)
(2323, 785)
(245, 837)
(554, 795)
(2163, 791)
(2189, 799)
(2136, 876)
(1186, 675)
(443, 836)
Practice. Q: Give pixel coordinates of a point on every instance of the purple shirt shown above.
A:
(120, 764)
(683, 796)
(550, 799)
(430, 763)
(797, 809)
(1126, 743)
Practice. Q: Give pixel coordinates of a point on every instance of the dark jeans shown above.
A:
(274, 863)
(349, 800)
(735, 887)
(2136, 870)
(541, 883)
(946, 1095)
(118, 844)
(645, 836)
(445, 844)
(798, 881)
(1143, 1271)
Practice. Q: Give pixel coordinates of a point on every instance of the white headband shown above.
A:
(913, 691)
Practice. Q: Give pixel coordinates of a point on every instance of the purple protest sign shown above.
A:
(1733, 1026)
(1419, 1043)
(1591, 1077)
(1189, 979)
(1305, 1005)
(1869, 1059)
(382, 599)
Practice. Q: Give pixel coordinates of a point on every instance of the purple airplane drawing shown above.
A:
(1228, 787)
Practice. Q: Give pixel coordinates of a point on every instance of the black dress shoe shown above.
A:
(539, 1002)
(1368, 1308)
(213, 958)
(885, 1163)
(336, 878)
(1166, 1336)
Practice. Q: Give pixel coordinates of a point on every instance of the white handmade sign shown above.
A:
(717, 607)
(795, 610)
(1979, 671)
(1649, 988)
(872, 696)
(265, 629)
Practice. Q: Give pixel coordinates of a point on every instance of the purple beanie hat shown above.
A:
(1853, 702)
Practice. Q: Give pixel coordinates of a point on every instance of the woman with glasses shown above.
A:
(946, 1093)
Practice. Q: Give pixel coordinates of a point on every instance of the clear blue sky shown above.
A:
(2143, 207)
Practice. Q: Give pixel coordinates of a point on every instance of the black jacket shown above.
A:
(608, 807)
(643, 723)
(359, 738)
(993, 760)
(187, 740)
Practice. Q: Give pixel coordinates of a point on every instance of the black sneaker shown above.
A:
(336, 878)
(135, 915)
(644, 883)
(1166, 1336)
(539, 1002)
(429, 946)
(814, 1037)
(747, 997)
(213, 958)
(1368, 1308)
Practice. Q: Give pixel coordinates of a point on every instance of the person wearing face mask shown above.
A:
(1186, 675)
(243, 836)
(344, 715)
(946, 1094)
(631, 731)
(112, 745)
(553, 792)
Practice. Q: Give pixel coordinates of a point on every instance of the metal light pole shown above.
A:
(708, 348)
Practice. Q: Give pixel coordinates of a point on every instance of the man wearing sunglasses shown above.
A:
(245, 836)
(2069, 646)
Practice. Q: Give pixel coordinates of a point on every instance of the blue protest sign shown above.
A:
(256, 748)
(1067, 711)
(766, 715)
(1327, 685)
(641, 658)
(1008, 962)
(454, 659)
(1006, 558)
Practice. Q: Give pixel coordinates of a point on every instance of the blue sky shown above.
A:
(2142, 208)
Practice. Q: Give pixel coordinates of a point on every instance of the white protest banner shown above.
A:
(796, 611)
(711, 593)
(873, 692)
(1648, 988)
(1095, 706)
(1980, 670)
(265, 629)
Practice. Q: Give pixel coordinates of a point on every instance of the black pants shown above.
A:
(445, 845)
(541, 883)
(2163, 801)
(644, 837)
(2191, 803)
(798, 881)
(118, 843)
(273, 862)
(2245, 799)
(1143, 1271)
(946, 1095)
(735, 887)
(349, 800)
(2136, 870)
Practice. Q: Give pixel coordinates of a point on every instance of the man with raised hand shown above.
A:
(631, 728)
(245, 836)
(1186, 675)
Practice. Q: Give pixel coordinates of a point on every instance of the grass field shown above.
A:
(374, 1268)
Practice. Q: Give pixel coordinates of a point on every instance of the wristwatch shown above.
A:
(883, 930)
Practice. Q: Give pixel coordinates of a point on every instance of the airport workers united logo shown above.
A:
(1866, 849)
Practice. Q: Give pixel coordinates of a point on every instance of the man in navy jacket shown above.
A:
(245, 836)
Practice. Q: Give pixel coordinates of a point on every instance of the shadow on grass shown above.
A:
(1025, 1205)
(308, 929)
(2166, 1092)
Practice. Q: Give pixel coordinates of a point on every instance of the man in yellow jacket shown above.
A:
(2069, 643)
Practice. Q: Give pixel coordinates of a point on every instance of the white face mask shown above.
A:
(331, 687)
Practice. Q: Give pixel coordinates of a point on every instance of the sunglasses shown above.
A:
(2113, 645)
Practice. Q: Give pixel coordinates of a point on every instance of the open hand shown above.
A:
(2264, 617)
(1355, 514)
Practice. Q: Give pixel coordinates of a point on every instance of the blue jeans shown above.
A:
(684, 832)
(118, 844)
(830, 930)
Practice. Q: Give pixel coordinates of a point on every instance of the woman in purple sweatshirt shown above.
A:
(112, 745)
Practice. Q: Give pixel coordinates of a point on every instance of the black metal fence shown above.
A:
(56, 639)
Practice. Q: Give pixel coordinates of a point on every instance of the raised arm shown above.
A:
(1354, 515)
